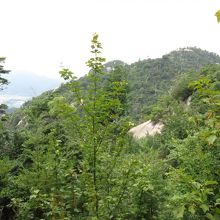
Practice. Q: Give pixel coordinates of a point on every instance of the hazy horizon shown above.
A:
(41, 36)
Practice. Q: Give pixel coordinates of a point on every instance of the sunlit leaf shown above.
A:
(192, 209)
(204, 207)
(217, 210)
(210, 217)
(211, 182)
(211, 139)
(217, 14)
(179, 212)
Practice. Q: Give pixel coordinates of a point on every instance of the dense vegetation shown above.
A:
(67, 154)
(149, 79)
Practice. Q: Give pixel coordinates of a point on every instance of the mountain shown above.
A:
(23, 86)
(151, 78)
(147, 80)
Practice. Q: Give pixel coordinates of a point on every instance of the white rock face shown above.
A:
(188, 101)
(22, 122)
(146, 128)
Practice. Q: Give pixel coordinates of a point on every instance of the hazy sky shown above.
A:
(37, 35)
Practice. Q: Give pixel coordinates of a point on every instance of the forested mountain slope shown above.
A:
(151, 78)
(148, 79)
(67, 154)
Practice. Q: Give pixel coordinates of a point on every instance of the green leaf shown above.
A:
(36, 191)
(33, 196)
(217, 201)
(204, 207)
(210, 217)
(192, 209)
(179, 212)
(211, 139)
(211, 182)
(217, 14)
(217, 210)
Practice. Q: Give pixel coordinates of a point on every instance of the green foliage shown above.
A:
(182, 90)
(194, 179)
(77, 163)
(149, 79)
(4, 134)
(217, 14)
(67, 154)
(3, 81)
(103, 145)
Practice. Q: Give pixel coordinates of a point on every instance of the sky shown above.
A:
(40, 36)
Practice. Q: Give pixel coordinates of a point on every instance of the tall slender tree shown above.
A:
(3, 81)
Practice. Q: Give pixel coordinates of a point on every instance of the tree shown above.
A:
(103, 142)
(4, 134)
(77, 161)
(3, 81)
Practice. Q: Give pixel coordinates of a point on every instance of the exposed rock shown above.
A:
(22, 122)
(147, 128)
(188, 101)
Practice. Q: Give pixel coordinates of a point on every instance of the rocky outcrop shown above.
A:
(148, 128)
